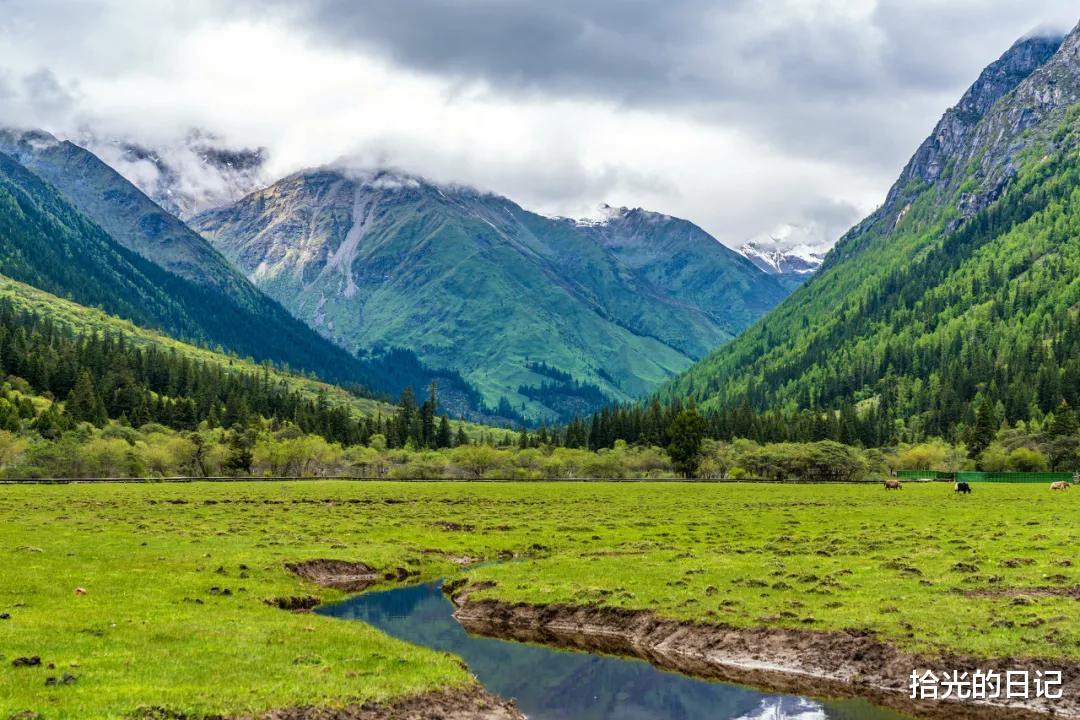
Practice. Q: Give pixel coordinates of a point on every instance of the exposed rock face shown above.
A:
(86, 219)
(795, 263)
(1038, 75)
(952, 139)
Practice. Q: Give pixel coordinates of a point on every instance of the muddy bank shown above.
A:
(470, 703)
(803, 662)
(464, 704)
(337, 574)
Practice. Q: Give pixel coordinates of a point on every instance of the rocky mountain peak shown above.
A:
(775, 259)
(951, 135)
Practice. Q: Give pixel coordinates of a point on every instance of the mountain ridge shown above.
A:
(472, 281)
(959, 290)
(207, 302)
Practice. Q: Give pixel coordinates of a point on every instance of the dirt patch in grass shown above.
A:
(805, 662)
(1068, 592)
(470, 703)
(337, 574)
(294, 602)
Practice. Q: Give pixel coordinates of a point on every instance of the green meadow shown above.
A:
(177, 577)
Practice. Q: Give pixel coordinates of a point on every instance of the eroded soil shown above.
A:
(805, 662)
(337, 574)
(471, 703)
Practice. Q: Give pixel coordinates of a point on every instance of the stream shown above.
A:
(554, 684)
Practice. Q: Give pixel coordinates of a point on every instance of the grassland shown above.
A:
(922, 568)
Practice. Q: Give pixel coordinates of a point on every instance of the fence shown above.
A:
(997, 477)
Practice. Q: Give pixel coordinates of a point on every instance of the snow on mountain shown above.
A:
(776, 260)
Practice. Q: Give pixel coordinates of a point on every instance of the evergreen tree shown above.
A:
(983, 431)
(445, 438)
(240, 458)
(427, 418)
(687, 433)
(83, 403)
(1065, 423)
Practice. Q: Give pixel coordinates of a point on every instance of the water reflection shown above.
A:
(551, 684)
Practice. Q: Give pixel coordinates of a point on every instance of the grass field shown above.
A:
(921, 567)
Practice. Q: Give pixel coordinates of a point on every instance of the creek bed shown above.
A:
(553, 684)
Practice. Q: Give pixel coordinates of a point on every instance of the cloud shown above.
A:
(742, 116)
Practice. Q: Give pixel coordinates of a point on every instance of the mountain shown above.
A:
(687, 263)
(548, 315)
(184, 177)
(794, 264)
(154, 271)
(961, 290)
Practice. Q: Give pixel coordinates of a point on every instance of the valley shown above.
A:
(302, 417)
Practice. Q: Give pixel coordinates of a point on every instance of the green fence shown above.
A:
(1015, 477)
(1000, 477)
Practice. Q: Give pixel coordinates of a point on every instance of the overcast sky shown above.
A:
(745, 117)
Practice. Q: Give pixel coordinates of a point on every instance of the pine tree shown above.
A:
(1065, 423)
(427, 417)
(687, 432)
(462, 436)
(984, 430)
(445, 438)
(240, 458)
(83, 403)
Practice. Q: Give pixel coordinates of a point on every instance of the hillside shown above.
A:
(124, 212)
(961, 290)
(98, 240)
(551, 315)
(75, 319)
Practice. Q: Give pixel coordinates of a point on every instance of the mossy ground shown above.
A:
(921, 567)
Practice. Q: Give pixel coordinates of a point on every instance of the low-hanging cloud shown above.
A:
(743, 116)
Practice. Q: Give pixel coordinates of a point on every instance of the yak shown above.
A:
(1059, 485)
(893, 484)
(962, 487)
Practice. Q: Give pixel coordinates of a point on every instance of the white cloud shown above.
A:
(743, 121)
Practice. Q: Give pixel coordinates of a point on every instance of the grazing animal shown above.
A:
(893, 484)
(962, 487)
(1059, 485)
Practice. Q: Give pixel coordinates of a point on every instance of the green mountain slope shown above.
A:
(963, 287)
(122, 210)
(514, 301)
(73, 319)
(45, 241)
(56, 317)
(690, 265)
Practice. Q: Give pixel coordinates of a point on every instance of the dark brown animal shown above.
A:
(893, 484)
(1059, 485)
